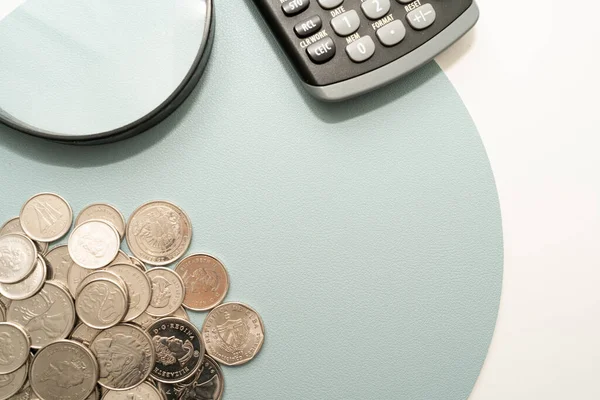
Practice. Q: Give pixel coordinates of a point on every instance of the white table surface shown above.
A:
(530, 76)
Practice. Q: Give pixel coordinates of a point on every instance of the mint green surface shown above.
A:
(366, 233)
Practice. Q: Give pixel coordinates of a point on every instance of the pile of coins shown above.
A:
(88, 321)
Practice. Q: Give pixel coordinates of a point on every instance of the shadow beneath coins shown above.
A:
(51, 153)
(332, 113)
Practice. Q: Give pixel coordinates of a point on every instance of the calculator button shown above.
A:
(346, 23)
(375, 9)
(392, 33)
(308, 27)
(293, 7)
(422, 17)
(328, 4)
(321, 51)
(361, 50)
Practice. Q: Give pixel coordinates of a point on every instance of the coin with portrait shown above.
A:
(64, 370)
(125, 356)
(14, 226)
(28, 286)
(18, 256)
(94, 244)
(14, 347)
(178, 347)
(11, 384)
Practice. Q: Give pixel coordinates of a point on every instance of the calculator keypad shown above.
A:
(346, 24)
(361, 49)
(375, 9)
(331, 41)
(391, 34)
(329, 4)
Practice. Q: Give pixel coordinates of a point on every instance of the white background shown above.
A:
(530, 76)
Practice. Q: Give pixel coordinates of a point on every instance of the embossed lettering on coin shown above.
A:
(28, 286)
(168, 292)
(178, 347)
(159, 232)
(101, 304)
(233, 333)
(14, 347)
(11, 383)
(94, 244)
(125, 356)
(103, 212)
(64, 370)
(46, 217)
(206, 384)
(206, 281)
(47, 316)
(18, 257)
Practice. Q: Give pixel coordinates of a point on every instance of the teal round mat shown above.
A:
(366, 233)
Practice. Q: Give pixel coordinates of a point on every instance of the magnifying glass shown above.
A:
(96, 71)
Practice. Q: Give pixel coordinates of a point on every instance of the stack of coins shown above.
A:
(86, 320)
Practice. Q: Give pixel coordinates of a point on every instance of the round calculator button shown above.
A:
(375, 9)
(361, 50)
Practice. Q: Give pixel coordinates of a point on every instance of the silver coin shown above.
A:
(145, 391)
(47, 316)
(14, 226)
(18, 257)
(111, 276)
(29, 286)
(234, 333)
(178, 347)
(95, 394)
(145, 320)
(84, 334)
(138, 263)
(121, 258)
(26, 393)
(101, 304)
(75, 276)
(103, 212)
(181, 313)
(208, 383)
(94, 244)
(46, 217)
(138, 286)
(158, 233)
(168, 292)
(125, 355)
(60, 261)
(64, 370)
(4, 300)
(10, 384)
(14, 347)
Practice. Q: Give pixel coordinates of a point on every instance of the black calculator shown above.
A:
(343, 48)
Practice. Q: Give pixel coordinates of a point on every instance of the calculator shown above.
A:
(343, 48)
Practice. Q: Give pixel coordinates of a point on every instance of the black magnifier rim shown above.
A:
(149, 120)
